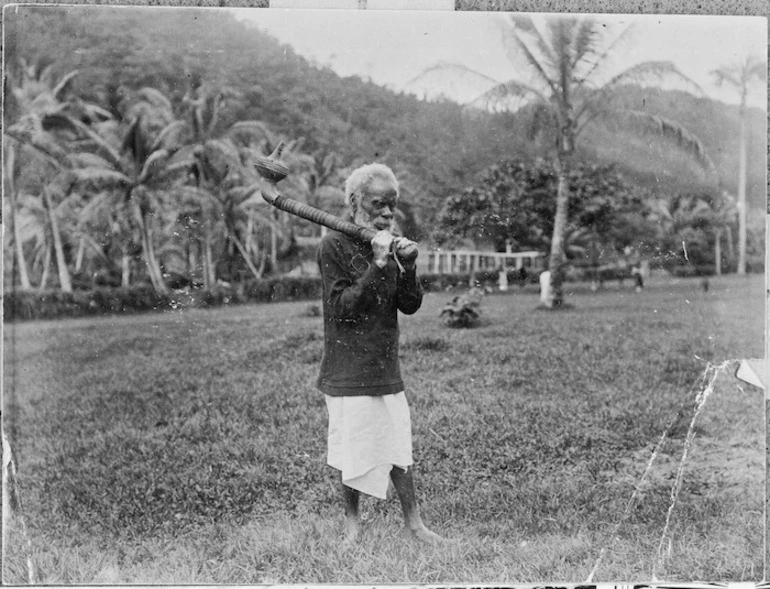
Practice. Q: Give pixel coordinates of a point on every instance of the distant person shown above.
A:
(636, 272)
(365, 285)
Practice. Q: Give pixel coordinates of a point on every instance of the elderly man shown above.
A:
(364, 287)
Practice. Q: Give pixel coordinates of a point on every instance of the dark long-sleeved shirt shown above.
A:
(360, 307)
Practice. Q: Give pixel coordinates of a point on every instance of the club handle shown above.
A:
(317, 216)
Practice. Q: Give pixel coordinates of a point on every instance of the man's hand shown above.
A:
(381, 243)
(406, 250)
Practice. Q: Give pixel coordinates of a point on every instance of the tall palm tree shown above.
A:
(221, 172)
(11, 188)
(742, 76)
(568, 57)
(136, 158)
(44, 114)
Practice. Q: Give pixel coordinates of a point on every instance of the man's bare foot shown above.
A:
(352, 530)
(423, 534)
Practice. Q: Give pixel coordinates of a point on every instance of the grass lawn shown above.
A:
(189, 446)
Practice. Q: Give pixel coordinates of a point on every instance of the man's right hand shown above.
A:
(381, 243)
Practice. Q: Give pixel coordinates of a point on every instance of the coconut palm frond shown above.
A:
(501, 97)
(653, 72)
(756, 69)
(84, 159)
(60, 88)
(222, 148)
(169, 136)
(154, 163)
(593, 66)
(535, 64)
(100, 179)
(97, 204)
(585, 41)
(155, 98)
(103, 146)
(678, 133)
(57, 121)
(246, 130)
(725, 75)
(524, 27)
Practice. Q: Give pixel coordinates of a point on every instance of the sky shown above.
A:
(392, 47)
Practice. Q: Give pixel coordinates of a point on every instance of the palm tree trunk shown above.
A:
(730, 243)
(556, 259)
(273, 247)
(742, 193)
(80, 254)
(19, 247)
(209, 268)
(125, 274)
(46, 266)
(244, 254)
(61, 264)
(153, 269)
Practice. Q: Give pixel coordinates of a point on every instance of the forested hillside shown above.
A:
(160, 112)
(437, 146)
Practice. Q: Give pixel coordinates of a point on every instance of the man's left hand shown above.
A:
(406, 250)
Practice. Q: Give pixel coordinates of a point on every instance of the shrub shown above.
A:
(463, 310)
(21, 305)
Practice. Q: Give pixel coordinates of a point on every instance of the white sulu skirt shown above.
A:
(368, 436)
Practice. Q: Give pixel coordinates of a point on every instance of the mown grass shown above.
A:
(189, 447)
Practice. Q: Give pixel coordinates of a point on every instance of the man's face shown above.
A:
(377, 205)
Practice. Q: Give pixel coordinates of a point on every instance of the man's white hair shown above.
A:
(360, 179)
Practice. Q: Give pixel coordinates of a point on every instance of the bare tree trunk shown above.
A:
(742, 193)
(244, 254)
(274, 246)
(730, 243)
(153, 269)
(65, 283)
(210, 275)
(125, 275)
(81, 254)
(46, 266)
(19, 246)
(556, 259)
(718, 252)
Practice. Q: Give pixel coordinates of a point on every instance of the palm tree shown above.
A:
(742, 76)
(682, 222)
(11, 176)
(222, 174)
(44, 114)
(135, 160)
(567, 58)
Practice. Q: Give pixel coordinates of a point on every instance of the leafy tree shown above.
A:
(566, 57)
(514, 205)
(742, 76)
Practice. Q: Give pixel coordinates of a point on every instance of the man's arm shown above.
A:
(408, 291)
(349, 298)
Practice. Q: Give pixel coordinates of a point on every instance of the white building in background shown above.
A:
(466, 261)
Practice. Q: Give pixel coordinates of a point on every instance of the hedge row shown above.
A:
(21, 305)
(25, 305)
